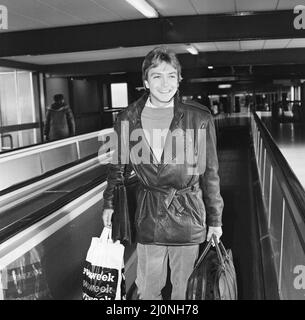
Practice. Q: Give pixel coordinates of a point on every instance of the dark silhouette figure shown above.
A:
(60, 122)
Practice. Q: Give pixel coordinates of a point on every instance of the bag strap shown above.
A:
(223, 249)
(204, 253)
(219, 254)
(219, 247)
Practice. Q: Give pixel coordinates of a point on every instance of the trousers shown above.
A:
(152, 269)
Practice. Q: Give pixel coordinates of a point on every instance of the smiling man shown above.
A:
(162, 82)
(176, 210)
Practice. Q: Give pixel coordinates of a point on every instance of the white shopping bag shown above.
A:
(103, 273)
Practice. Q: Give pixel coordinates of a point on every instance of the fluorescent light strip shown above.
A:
(146, 9)
(191, 49)
(224, 86)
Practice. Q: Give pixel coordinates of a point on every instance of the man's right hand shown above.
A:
(107, 215)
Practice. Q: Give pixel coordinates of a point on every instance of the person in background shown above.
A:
(177, 207)
(60, 122)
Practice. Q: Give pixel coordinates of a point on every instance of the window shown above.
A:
(17, 109)
(119, 95)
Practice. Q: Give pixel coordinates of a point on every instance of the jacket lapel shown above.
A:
(137, 124)
(169, 157)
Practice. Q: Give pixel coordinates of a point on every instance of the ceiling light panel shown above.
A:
(144, 7)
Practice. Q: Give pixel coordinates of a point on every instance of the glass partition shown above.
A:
(284, 200)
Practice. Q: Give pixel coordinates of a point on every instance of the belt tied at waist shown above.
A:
(172, 193)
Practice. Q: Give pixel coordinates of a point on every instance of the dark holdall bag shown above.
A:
(125, 204)
(213, 277)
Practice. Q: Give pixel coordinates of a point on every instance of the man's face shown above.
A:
(162, 81)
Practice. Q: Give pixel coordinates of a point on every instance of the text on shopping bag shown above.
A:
(99, 283)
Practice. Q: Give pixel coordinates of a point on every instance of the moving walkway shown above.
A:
(51, 202)
(54, 208)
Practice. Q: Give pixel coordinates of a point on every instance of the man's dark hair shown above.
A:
(156, 57)
(58, 97)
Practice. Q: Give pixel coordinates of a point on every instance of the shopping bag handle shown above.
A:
(106, 234)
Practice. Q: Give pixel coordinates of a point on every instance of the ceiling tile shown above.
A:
(18, 21)
(286, 5)
(35, 10)
(121, 8)
(255, 5)
(86, 11)
(213, 6)
(37, 14)
(173, 7)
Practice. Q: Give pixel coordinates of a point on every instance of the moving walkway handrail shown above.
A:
(51, 145)
(27, 221)
(50, 173)
(293, 192)
(24, 164)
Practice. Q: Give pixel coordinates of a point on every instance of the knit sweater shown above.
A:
(156, 122)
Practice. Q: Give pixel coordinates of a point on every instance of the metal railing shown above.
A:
(21, 165)
(284, 200)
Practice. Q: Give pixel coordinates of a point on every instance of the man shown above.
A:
(178, 195)
(60, 121)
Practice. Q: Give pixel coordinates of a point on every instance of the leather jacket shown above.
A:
(176, 200)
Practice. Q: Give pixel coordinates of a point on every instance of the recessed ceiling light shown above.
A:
(224, 86)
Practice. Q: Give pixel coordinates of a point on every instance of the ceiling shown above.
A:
(38, 14)
(30, 15)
